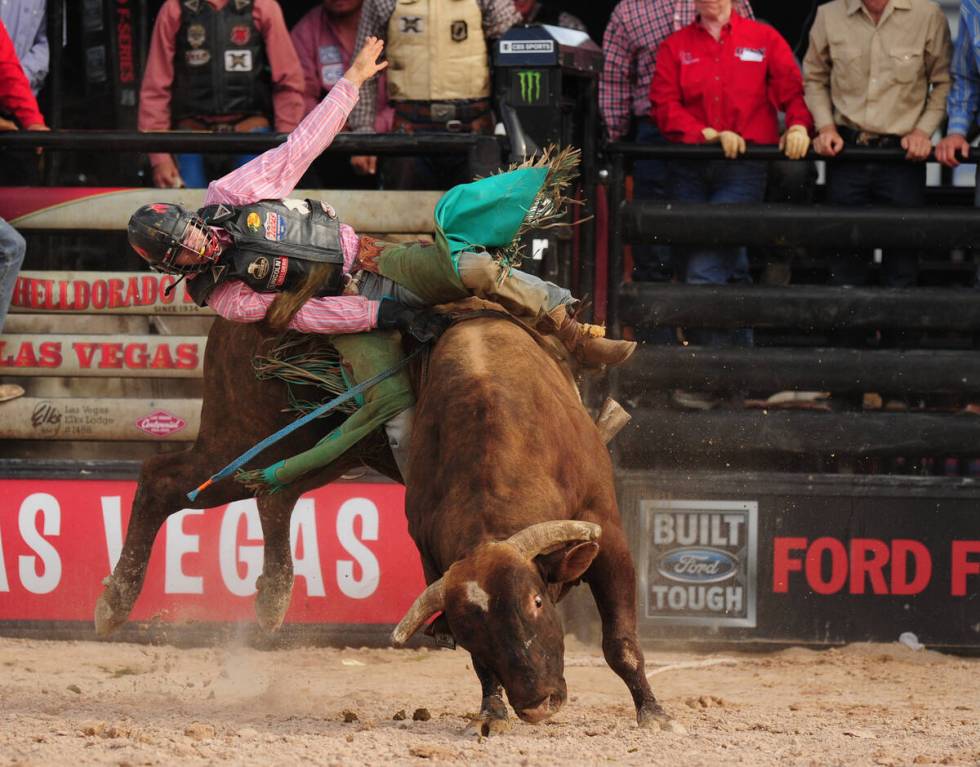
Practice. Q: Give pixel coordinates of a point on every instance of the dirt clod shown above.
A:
(199, 731)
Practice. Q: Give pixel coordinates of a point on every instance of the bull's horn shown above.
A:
(544, 536)
(430, 601)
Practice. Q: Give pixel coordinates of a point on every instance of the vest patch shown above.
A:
(238, 61)
(331, 65)
(459, 31)
(240, 34)
(196, 35)
(275, 226)
(259, 268)
(279, 270)
(197, 58)
(253, 221)
(411, 24)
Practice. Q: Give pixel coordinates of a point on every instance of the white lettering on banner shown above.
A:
(370, 569)
(178, 544)
(697, 529)
(714, 598)
(303, 521)
(112, 522)
(4, 583)
(33, 580)
(230, 555)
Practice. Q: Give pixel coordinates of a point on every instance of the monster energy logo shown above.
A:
(530, 86)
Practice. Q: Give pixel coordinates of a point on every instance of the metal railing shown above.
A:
(713, 436)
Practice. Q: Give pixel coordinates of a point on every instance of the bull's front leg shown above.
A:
(275, 585)
(159, 494)
(493, 718)
(612, 579)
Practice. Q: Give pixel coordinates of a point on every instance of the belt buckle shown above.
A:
(223, 128)
(454, 126)
(864, 138)
(442, 112)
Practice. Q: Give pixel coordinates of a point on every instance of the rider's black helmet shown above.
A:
(160, 232)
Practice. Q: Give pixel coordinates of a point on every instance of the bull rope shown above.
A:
(249, 454)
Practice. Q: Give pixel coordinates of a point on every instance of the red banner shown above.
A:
(353, 559)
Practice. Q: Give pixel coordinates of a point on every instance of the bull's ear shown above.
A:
(568, 563)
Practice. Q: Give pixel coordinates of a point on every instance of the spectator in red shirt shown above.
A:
(17, 100)
(635, 32)
(723, 79)
(219, 65)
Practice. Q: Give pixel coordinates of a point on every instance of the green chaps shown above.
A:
(366, 355)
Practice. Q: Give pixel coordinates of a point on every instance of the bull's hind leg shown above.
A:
(493, 711)
(612, 579)
(275, 585)
(163, 481)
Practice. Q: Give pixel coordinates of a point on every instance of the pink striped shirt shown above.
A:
(272, 176)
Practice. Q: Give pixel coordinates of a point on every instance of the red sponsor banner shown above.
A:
(19, 201)
(353, 559)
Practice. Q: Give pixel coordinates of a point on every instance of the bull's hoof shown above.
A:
(109, 614)
(272, 598)
(657, 719)
(486, 726)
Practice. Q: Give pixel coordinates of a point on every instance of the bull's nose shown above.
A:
(538, 713)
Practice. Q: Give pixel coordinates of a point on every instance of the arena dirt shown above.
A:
(81, 703)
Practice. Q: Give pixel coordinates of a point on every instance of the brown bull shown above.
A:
(512, 502)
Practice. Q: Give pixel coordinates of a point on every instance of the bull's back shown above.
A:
(500, 437)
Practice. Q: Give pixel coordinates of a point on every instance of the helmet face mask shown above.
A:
(173, 240)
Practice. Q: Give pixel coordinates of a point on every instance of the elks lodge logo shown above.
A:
(530, 86)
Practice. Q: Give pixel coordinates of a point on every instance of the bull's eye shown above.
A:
(538, 601)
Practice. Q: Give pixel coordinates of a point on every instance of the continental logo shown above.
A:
(530, 81)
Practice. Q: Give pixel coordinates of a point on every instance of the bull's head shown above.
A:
(499, 601)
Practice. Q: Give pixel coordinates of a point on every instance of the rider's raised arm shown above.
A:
(275, 173)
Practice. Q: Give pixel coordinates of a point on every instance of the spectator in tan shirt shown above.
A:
(219, 65)
(877, 74)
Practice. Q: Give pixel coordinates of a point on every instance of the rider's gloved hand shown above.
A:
(422, 324)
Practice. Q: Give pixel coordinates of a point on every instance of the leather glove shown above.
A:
(794, 142)
(732, 145)
(422, 324)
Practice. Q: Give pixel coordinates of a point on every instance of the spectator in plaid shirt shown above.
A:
(633, 36)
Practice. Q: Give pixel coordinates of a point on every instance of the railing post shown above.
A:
(617, 181)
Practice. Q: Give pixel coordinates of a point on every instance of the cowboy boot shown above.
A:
(587, 343)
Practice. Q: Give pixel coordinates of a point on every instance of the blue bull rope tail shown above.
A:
(272, 439)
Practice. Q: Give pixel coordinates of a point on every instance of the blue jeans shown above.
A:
(855, 185)
(12, 249)
(717, 182)
(198, 171)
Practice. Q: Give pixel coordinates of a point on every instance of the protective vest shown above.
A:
(437, 51)
(220, 67)
(276, 245)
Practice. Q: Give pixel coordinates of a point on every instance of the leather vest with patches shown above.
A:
(276, 245)
(437, 51)
(220, 66)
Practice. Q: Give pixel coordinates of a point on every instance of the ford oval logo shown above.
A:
(697, 565)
